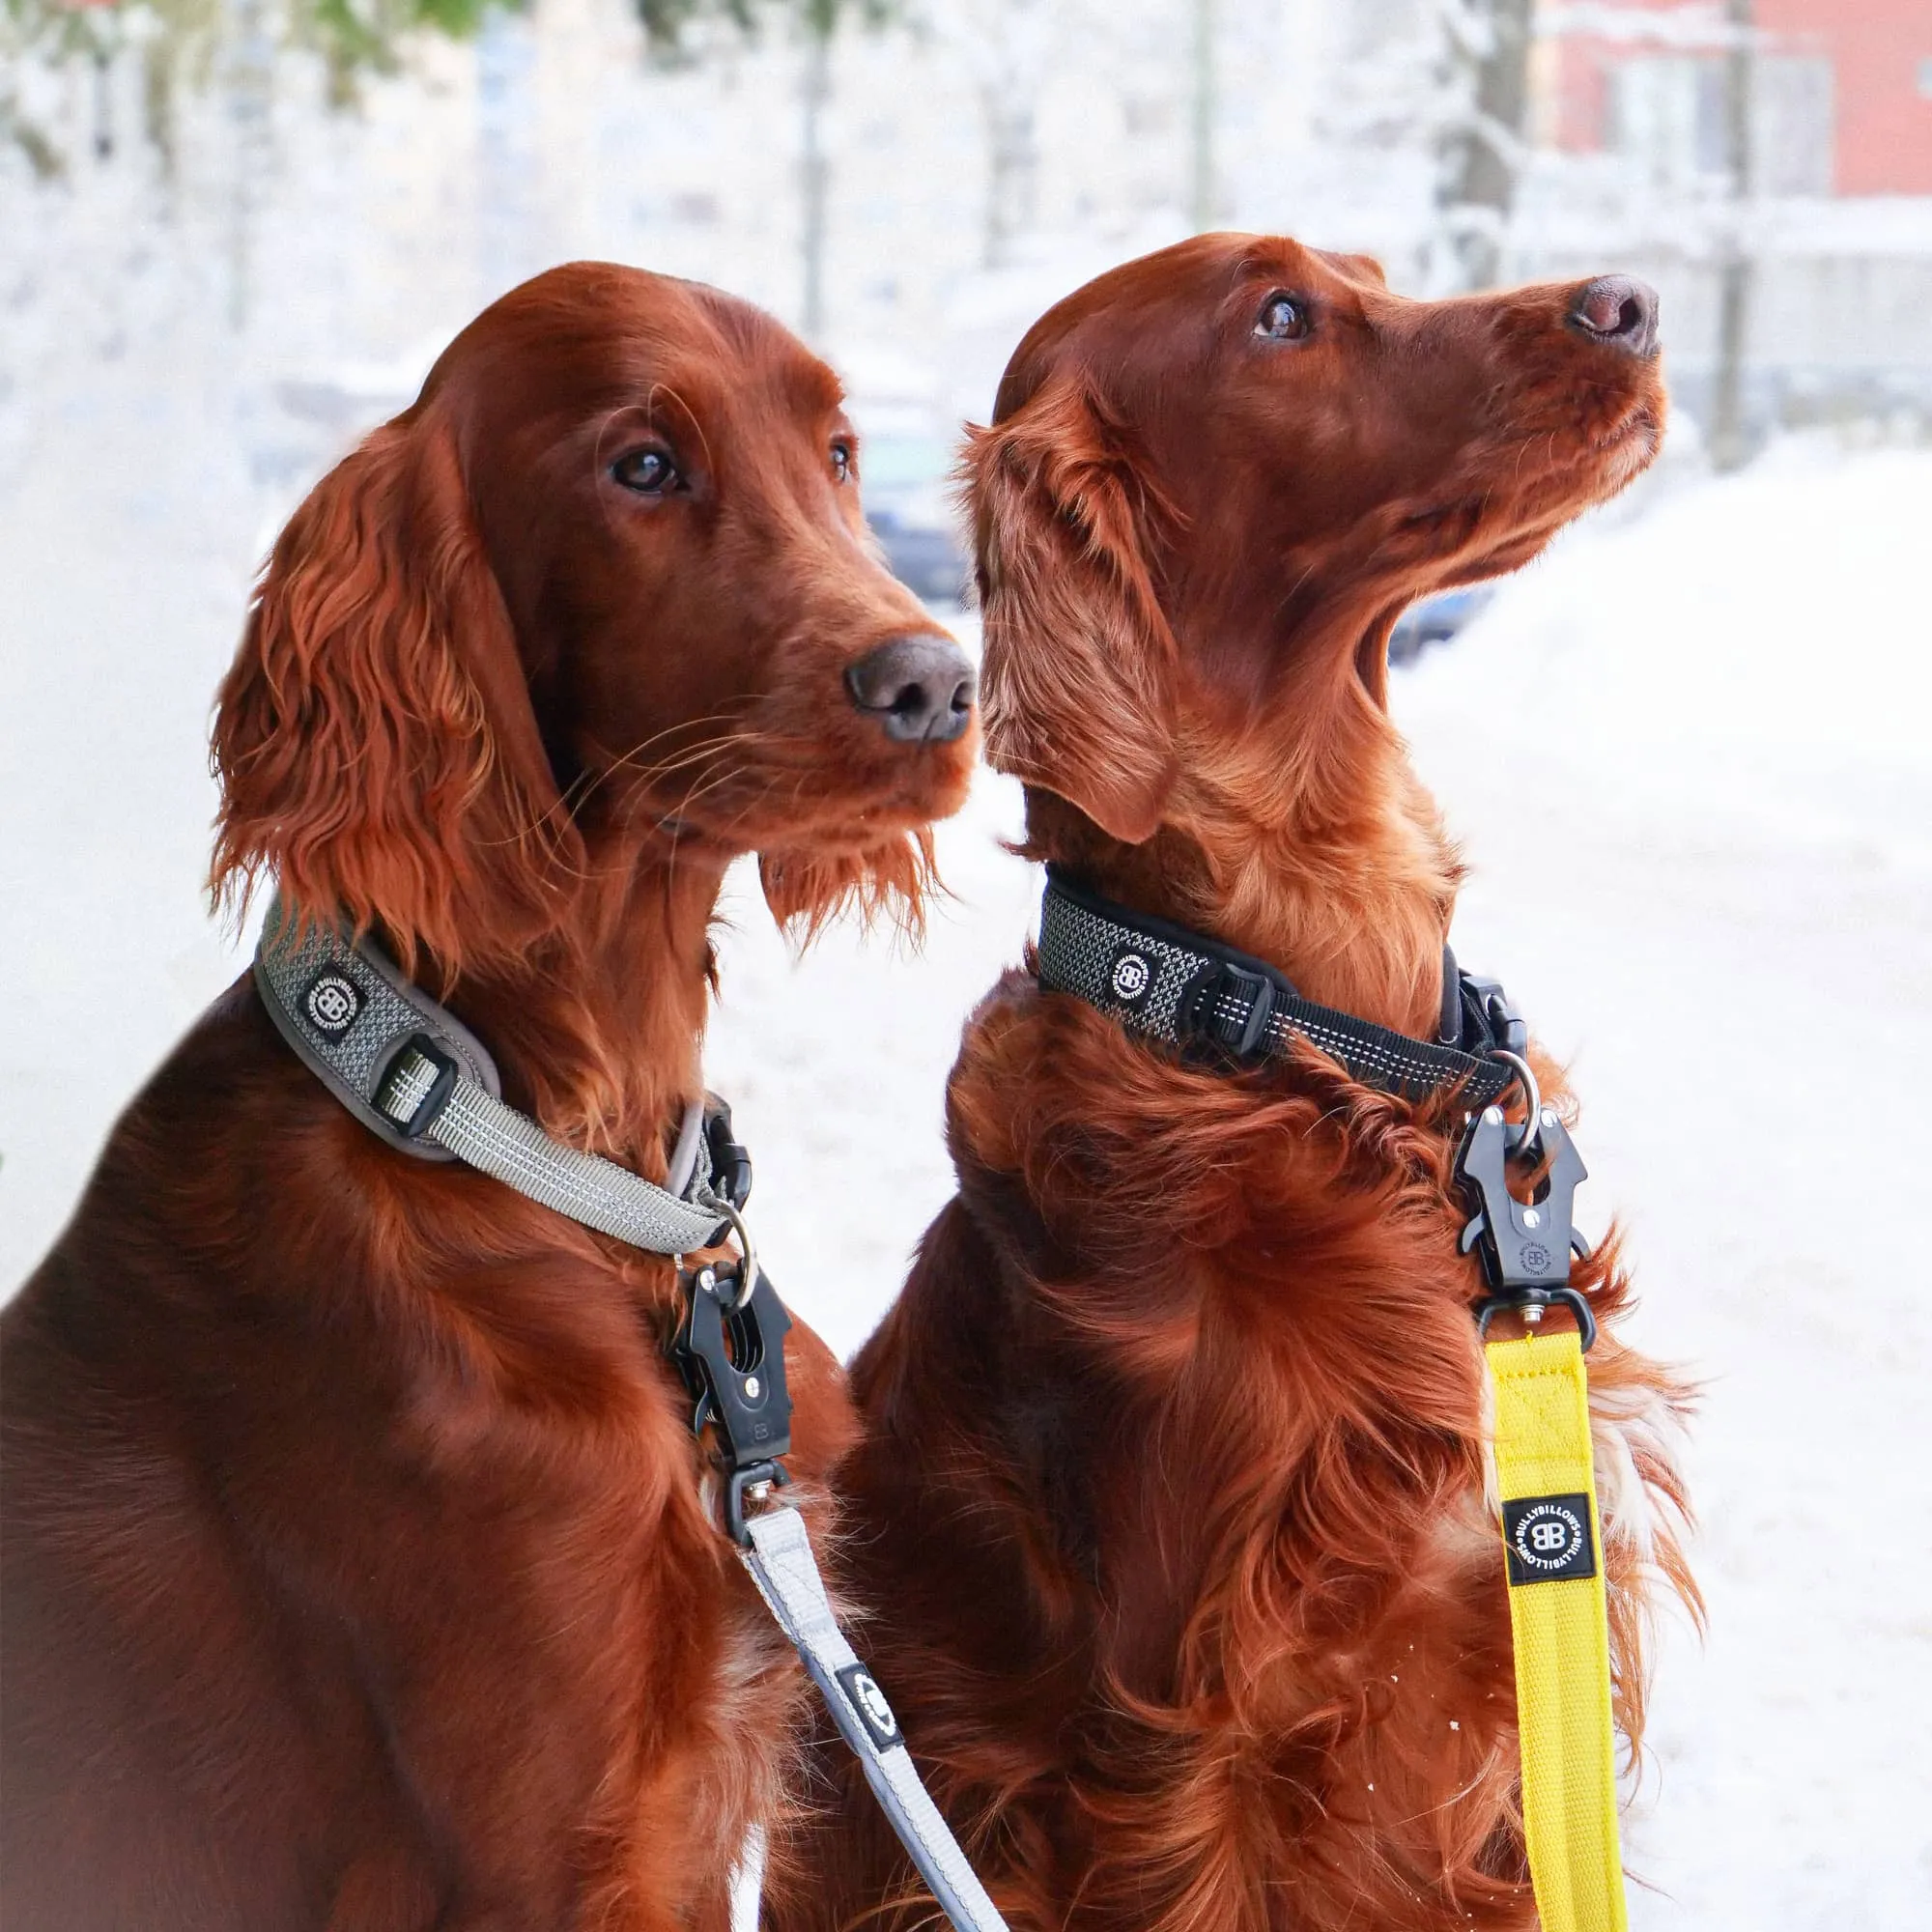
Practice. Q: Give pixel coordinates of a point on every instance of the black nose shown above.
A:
(1618, 311)
(920, 689)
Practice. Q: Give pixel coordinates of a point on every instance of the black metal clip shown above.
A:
(1525, 1247)
(1227, 1008)
(731, 1356)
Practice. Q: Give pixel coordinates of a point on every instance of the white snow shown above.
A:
(1688, 754)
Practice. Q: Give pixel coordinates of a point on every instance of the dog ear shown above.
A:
(374, 739)
(1077, 683)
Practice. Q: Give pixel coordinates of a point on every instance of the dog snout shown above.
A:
(920, 689)
(1618, 311)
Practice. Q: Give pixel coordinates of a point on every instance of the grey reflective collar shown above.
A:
(1188, 991)
(415, 1076)
(348, 1011)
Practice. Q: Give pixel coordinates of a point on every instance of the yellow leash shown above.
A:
(1553, 1541)
(1560, 1622)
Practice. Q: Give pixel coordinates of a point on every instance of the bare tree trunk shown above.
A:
(158, 118)
(1202, 198)
(1004, 43)
(251, 81)
(1476, 188)
(1729, 433)
(1013, 155)
(103, 101)
(812, 173)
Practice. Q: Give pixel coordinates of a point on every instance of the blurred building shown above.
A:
(301, 250)
(1842, 91)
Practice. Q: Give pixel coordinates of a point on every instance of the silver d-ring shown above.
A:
(748, 1251)
(1532, 1127)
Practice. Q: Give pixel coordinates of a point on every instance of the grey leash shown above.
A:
(781, 1562)
(415, 1075)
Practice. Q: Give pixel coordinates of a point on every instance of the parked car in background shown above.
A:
(907, 445)
(906, 471)
(923, 555)
(1434, 621)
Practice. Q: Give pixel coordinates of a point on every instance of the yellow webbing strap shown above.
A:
(1560, 1623)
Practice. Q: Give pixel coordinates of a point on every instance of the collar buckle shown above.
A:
(1229, 1007)
(1497, 1020)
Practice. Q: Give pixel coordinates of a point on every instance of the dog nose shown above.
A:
(920, 689)
(1618, 311)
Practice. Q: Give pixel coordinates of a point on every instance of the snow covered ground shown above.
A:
(1688, 757)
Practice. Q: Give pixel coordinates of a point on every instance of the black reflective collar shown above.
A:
(1185, 990)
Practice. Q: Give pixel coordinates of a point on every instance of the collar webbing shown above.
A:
(1183, 989)
(1560, 1626)
(413, 1074)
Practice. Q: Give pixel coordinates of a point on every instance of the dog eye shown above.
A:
(1282, 319)
(841, 461)
(650, 472)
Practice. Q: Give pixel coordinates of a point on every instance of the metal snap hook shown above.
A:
(1527, 1148)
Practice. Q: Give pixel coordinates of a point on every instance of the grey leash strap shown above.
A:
(781, 1562)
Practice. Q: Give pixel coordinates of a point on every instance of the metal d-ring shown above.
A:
(1532, 1127)
(748, 1251)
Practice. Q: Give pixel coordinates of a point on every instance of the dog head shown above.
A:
(603, 597)
(1217, 474)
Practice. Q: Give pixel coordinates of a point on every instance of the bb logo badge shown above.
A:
(331, 1003)
(1130, 978)
(863, 1693)
(1548, 1539)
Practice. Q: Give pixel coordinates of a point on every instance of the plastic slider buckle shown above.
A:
(1229, 1007)
(402, 1085)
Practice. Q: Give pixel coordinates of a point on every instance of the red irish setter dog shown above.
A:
(358, 1572)
(1170, 1501)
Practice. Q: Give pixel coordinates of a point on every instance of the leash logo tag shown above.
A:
(1130, 979)
(332, 1002)
(1548, 1539)
(862, 1691)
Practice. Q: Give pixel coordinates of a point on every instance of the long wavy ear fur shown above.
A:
(374, 739)
(1077, 676)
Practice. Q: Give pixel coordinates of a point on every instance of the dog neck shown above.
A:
(1304, 838)
(598, 1030)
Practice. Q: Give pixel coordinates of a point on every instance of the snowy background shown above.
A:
(1687, 751)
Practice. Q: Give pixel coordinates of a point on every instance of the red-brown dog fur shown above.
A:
(1171, 1504)
(361, 1568)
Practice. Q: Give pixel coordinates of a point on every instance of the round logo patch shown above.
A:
(331, 1003)
(866, 1688)
(1548, 1538)
(1131, 977)
(862, 1688)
